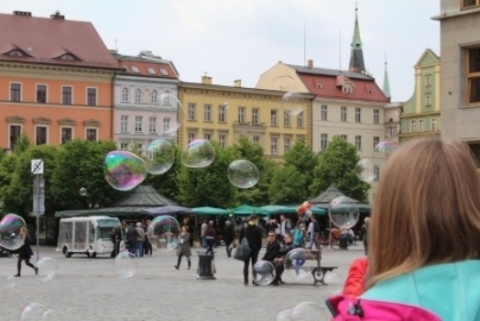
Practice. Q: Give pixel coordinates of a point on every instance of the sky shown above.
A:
(241, 39)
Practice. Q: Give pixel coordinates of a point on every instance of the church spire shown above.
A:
(356, 54)
(386, 83)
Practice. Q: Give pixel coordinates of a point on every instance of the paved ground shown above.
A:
(89, 290)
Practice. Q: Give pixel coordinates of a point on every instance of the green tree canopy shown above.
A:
(304, 160)
(288, 186)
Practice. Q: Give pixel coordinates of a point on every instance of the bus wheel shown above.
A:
(94, 254)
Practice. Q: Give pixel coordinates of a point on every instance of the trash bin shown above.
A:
(206, 266)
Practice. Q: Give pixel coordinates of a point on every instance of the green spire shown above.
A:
(356, 54)
(386, 83)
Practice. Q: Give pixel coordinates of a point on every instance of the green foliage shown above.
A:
(288, 186)
(7, 170)
(22, 144)
(337, 166)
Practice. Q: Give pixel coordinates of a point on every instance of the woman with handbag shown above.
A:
(25, 253)
(253, 235)
(183, 248)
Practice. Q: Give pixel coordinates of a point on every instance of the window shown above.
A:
(324, 112)
(222, 113)
(323, 141)
(138, 96)
(273, 146)
(124, 124)
(434, 122)
(191, 111)
(358, 115)
(207, 113)
(287, 144)
(40, 135)
(470, 3)
(152, 124)
(413, 126)
(222, 140)
(376, 116)
(123, 146)
(391, 131)
(428, 101)
(358, 142)
(207, 136)
(41, 93)
(428, 81)
(286, 118)
(343, 113)
(135, 69)
(191, 137)
(273, 118)
(67, 95)
(241, 115)
(421, 125)
(138, 124)
(344, 137)
(91, 96)
(91, 134)
(473, 74)
(166, 124)
(256, 139)
(67, 134)
(255, 116)
(15, 92)
(154, 96)
(151, 71)
(125, 94)
(300, 120)
(376, 173)
(15, 133)
(376, 140)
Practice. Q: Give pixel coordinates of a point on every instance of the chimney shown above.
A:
(22, 13)
(310, 63)
(237, 83)
(57, 15)
(206, 80)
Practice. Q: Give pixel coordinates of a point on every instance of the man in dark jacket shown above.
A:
(254, 234)
(132, 237)
(228, 236)
(280, 259)
(272, 247)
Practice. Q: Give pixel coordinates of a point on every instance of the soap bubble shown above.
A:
(307, 311)
(82, 191)
(365, 170)
(343, 212)
(293, 102)
(163, 233)
(300, 263)
(263, 272)
(7, 283)
(284, 315)
(161, 157)
(199, 153)
(385, 147)
(125, 265)
(10, 236)
(47, 269)
(308, 214)
(243, 173)
(124, 170)
(33, 312)
(169, 102)
(51, 315)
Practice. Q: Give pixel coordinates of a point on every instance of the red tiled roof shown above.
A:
(44, 39)
(147, 68)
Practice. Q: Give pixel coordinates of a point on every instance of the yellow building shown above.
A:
(224, 113)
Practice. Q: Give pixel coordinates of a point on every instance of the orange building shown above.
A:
(56, 80)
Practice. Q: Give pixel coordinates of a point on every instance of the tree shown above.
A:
(288, 186)
(337, 166)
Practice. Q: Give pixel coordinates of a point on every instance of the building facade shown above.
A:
(460, 65)
(53, 89)
(421, 115)
(146, 103)
(224, 113)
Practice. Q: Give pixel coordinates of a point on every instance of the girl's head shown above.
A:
(430, 191)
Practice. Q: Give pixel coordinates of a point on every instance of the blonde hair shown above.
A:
(430, 191)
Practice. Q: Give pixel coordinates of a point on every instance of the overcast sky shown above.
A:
(241, 39)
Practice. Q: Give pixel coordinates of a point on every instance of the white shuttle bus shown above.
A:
(89, 235)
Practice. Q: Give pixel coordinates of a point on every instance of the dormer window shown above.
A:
(135, 69)
(347, 88)
(68, 57)
(319, 85)
(17, 53)
(151, 71)
(163, 71)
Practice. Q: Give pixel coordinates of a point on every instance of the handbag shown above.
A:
(243, 250)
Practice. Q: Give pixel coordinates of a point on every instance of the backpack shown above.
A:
(357, 309)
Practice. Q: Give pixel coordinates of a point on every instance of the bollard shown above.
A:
(206, 266)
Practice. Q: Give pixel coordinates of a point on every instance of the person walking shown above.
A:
(132, 237)
(210, 237)
(364, 231)
(183, 248)
(116, 238)
(254, 234)
(140, 239)
(25, 253)
(285, 227)
(228, 237)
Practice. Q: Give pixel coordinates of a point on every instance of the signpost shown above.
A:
(38, 196)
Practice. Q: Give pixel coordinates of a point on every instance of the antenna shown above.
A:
(304, 44)
(116, 45)
(340, 49)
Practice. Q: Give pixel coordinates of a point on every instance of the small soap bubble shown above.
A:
(47, 269)
(263, 273)
(163, 233)
(343, 212)
(169, 101)
(365, 170)
(243, 173)
(385, 147)
(82, 191)
(124, 170)
(300, 263)
(161, 156)
(125, 265)
(284, 315)
(7, 283)
(199, 153)
(11, 235)
(33, 312)
(293, 103)
(307, 311)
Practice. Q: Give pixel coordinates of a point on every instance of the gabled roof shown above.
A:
(47, 39)
(140, 66)
(143, 196)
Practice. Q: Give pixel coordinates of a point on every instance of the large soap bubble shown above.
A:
(243, 173)
(308, 311)
(293, 103)
(161, 155)
(343, 212)
(33, 312)
(199, 153)
(125, 265)
(169, 102)
(163, 233)
(124, 170)
(365, 170)
(300, 263)
(263, 272)
(11, 237)
(385, 147)
(47, 269)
